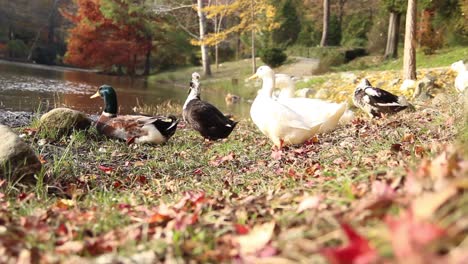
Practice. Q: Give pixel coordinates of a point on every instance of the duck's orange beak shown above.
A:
(95, 95)
(255, 76)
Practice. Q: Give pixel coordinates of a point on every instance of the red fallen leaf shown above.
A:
(105, 169)
(411, 236)
(124, 206)
(117, 184)
(357, 251)
(198, 171)
(24, 197)
(291, 173)
(142, 180)
(61, 230)
(241, 229)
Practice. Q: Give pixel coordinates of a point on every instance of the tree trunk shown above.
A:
(204, 49)
(254, 63)
(341, 4)
(326, 20)
(391, 49)
(409, 57)
(148, 60)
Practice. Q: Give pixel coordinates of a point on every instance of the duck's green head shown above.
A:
(110, 99)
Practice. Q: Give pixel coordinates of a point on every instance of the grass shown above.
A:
(126, 200)
(442, 58)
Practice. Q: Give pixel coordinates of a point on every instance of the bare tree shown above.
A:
(204, 48)
(391, 49)
(254, 62)
(326, 21)
(175, 8)
(409, 57)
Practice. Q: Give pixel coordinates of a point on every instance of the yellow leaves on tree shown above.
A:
(252, 15)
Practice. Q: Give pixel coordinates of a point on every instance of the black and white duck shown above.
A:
(203, 116)
(132, 128)
(375, 101)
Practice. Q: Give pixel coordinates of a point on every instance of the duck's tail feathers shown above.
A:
(402, 101)
(165, 126)
(347, 117)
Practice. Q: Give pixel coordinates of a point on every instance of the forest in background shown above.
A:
(138, 37)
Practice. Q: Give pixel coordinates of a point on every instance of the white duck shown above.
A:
(461, 81)
(276, 121)
(312, 110)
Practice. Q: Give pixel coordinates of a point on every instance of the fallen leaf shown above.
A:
(105, 169)
(411, 236)
(256, 239)
(241, 229)
(276, 154)
(64, 204)
(425, 206)
(358, 249)
(309, 202)
(70, 247)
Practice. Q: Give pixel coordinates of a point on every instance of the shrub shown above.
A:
(355, 29)
(273, 57)
(309, 36)
(17, 49)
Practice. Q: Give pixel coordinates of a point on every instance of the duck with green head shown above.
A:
(132, 128)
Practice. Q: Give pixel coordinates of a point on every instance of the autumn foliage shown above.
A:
(98, 41)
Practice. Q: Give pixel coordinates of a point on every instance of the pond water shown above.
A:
(27, 87)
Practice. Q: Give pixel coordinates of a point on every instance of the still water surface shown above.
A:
(26, 87)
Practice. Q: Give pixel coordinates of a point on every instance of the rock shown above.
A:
(61, 121)
(407, 85)
(15, 119)
(322, 94)
(305, 92)
(424, 87)
(17, 159)
(395, 82)
(349, 77)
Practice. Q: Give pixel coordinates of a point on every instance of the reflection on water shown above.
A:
(25, 87)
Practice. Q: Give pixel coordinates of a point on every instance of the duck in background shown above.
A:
(281, 124)
(203, 116)
(375, 101)
(132, 128)
(461, 81)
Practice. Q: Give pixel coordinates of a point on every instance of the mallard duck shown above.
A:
(278, 122)
(375, 101)
(312, 110)
(132, 128)
(203, 116)
(461, 81)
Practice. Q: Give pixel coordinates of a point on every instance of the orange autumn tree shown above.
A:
(100, 41)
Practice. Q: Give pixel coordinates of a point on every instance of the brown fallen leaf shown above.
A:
(425, 206)
(256, 239)
(70, 247)
(309, 202)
